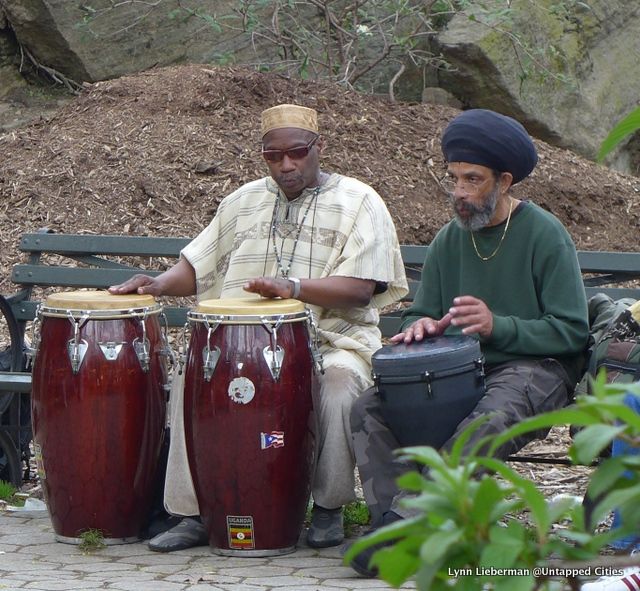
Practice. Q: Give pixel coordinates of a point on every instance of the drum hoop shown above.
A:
(104, 314)
(284, 318)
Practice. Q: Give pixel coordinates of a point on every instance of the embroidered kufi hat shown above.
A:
(282, 116)
(480, 136)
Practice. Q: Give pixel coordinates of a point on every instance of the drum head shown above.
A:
(250, 307)
(97, 300)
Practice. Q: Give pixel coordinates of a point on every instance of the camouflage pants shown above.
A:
(514, 391)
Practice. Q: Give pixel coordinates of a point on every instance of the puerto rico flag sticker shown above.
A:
(240, 532)
(273, 439)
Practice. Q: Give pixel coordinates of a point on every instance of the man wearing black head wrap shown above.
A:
(503, 271)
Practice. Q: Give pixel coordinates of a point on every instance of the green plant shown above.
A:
(623, 129)
(466, 534)
(91, 540)
(7, 491)
(356, 514)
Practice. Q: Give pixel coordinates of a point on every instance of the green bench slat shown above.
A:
(609, 262)
(52, 276)
(15, 381)
(103, 244)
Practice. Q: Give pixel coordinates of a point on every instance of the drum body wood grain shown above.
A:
(98, 412)
(248, 423)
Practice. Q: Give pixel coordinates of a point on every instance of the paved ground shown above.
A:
(31, 559)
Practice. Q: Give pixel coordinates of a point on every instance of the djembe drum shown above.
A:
(427, 388)
(248, 405)
(99, 405)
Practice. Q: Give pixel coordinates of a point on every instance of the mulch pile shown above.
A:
(154, 153)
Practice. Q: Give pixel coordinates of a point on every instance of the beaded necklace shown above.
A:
(284, 271)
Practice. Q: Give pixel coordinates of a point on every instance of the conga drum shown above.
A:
(99, 406)
(427, 388)
(248, 405)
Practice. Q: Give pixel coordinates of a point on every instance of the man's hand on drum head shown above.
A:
(141, 284)
(421, 328)
(472, 315)
(269, 287)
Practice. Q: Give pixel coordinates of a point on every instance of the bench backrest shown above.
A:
(97, 261)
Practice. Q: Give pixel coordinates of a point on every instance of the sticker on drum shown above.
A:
(273, 439)
(241, 390)
(240, 532)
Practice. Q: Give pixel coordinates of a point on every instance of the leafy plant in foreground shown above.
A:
(466, 534)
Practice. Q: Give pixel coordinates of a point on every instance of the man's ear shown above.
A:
(506, 179)
(321, 143)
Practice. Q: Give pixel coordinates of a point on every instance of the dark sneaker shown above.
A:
(327, 528)
(360, 563)
(188, 533)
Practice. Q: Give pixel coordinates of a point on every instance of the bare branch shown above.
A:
(73, 86)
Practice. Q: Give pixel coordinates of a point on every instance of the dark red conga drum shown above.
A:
(99, 404)
(248, 422)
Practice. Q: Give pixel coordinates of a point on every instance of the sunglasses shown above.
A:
(293, 153)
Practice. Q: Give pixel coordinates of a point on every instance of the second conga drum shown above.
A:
(248, 426)
(99, 405)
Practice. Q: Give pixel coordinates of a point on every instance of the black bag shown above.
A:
(616, 347)
(427, 388)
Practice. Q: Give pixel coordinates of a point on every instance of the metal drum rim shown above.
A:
(289, 317)
(100, 314)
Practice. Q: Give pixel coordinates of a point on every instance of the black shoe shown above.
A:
(327, 527)
(361, 563)
(188, 533)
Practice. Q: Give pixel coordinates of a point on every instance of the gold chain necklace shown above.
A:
(504, 233)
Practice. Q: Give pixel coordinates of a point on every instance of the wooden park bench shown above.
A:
(97, 261)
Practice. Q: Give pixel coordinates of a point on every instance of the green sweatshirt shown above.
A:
(533, 287)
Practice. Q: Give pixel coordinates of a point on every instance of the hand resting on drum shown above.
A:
(180, 280)
(421, 328)
(467, 311)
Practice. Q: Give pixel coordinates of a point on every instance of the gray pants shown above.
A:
(514, 391)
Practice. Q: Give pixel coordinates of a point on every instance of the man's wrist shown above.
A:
(295, 287)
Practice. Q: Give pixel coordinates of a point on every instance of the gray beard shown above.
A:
(480, 215)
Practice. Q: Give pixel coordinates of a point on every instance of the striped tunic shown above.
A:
(341, 229)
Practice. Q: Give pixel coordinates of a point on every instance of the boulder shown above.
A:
(98, 40)
(569, 74)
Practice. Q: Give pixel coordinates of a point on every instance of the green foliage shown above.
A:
(466, 524)
(356, 514)
(7, 491)
(91, 540)
(624, 128)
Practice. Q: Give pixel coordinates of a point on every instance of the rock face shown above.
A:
(592, 71)
(589, 50)
(90, 41)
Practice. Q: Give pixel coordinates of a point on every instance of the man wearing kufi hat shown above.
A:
(503, 271)
(309, 235)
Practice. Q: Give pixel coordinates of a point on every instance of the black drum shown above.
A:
(428, 387)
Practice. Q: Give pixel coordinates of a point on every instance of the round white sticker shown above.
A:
(241, 390)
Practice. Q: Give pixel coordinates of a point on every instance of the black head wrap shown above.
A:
(479, 136)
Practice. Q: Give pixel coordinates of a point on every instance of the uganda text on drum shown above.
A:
(111, 350)
(274, 360)
(210, 358)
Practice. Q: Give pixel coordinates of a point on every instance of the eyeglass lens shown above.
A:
(293, 153)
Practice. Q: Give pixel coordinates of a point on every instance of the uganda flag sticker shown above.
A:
(240, 531)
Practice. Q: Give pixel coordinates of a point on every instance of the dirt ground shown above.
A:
(154, 153)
